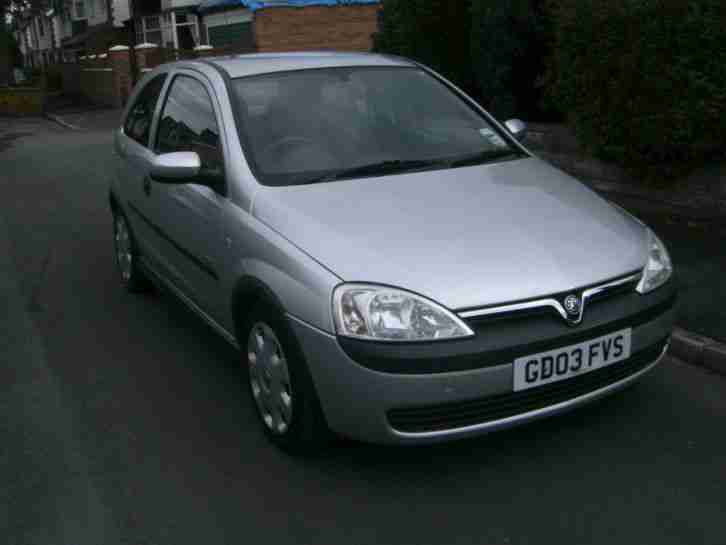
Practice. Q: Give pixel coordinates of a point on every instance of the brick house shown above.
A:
(167, 23)
(287, 25)
(257, 25)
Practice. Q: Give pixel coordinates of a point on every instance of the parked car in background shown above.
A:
(393, 264)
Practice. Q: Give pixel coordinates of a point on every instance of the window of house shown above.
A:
(167, 30)
(148, 30)
(152, 23)
(80, 10)
(187, 33)
(172, 30)
(152, 30)
(41, 30)
(188, 123)
(91, 8)
(138, 121)
(184, 26)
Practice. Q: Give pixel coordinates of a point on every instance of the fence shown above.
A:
(106, 78)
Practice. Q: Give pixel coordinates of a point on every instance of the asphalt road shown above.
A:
(125, 420)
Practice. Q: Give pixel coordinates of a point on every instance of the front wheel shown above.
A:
(132, 278)
(280, 383)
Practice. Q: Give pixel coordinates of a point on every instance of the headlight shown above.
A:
(379, 313)
(658, 269)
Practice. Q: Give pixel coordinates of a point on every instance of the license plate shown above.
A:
(571, 361)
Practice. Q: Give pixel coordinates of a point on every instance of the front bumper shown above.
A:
(360, 402)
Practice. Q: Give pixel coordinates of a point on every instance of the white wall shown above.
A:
(57, 30)
(94, 12)
(44, 40)
(29, 38)
(121, 12)
(20, 39)
(62, 28)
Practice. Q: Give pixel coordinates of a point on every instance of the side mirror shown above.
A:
(517, 127)
(175, 168)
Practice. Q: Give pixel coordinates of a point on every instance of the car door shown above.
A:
(188, 216)
(134, 160)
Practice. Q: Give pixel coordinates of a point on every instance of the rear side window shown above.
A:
(188, 123)
(138, 122)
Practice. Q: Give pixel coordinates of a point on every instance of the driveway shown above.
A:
(125, 420)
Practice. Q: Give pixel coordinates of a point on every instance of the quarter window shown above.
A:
(188, 123)
(138, 122)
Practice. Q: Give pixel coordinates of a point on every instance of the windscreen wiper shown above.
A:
(395, 166)
(379, 168)
(483, 157)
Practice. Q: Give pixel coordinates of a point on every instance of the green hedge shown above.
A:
(495, 50)
(434, 32)
(509, 44)
(53, 78)
(643, 82)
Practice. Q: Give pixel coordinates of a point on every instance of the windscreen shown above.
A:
(299, 126)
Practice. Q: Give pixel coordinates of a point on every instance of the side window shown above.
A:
(138, 122)
(188, 123)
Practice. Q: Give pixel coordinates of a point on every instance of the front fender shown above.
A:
(300, 285)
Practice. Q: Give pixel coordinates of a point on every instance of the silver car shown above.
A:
(392, 263)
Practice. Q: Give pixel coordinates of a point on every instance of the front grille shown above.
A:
(492, 314)
(478, 411)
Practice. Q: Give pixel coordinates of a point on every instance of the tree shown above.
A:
(9, 9)
(434, 32)
(509, 43)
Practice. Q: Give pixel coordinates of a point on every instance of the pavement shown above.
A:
(85, 119)
(700, 195)
(126, 420)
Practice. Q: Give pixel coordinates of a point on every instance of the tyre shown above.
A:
(132, 277)
(280, 384)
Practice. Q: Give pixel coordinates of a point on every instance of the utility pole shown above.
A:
(132, 43)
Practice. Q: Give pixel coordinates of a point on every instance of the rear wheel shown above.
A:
(132, 277)
(280, 383)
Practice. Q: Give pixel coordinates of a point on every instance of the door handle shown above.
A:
(147, 186)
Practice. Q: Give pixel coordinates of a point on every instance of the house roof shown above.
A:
(254, 5)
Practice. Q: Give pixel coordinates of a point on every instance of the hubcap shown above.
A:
(269, 378)
(124, 257)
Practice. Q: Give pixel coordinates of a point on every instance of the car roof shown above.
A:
(238, 66)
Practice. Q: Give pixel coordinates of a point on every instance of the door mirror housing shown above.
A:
(517, 127)
(176, 168)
